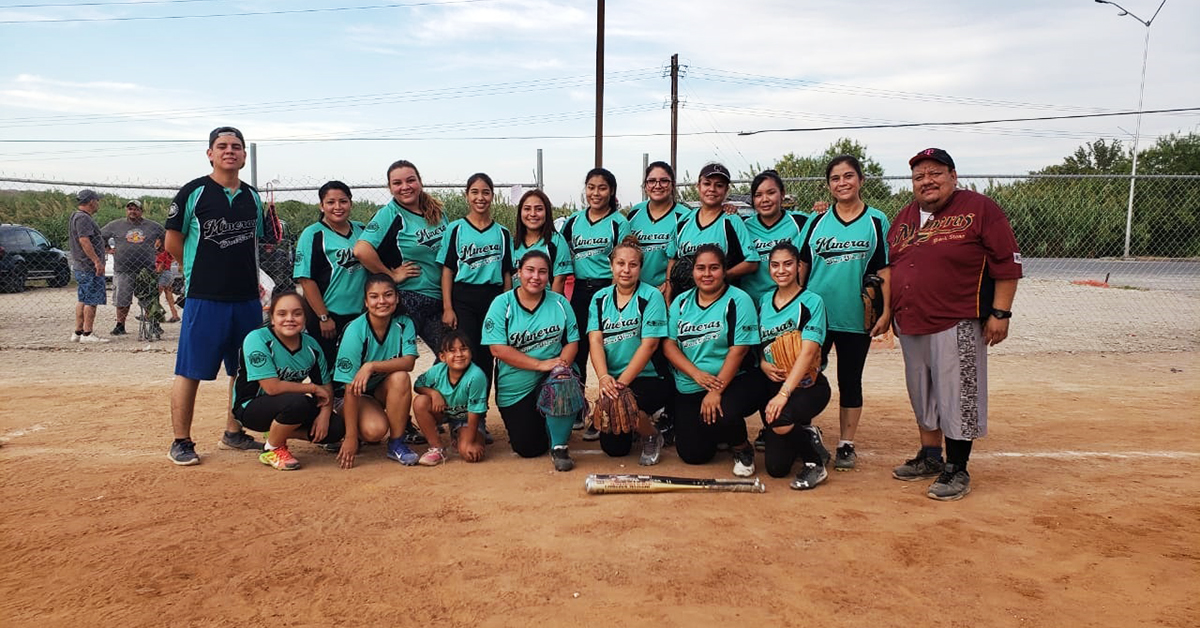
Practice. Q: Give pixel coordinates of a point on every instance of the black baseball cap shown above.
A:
(935, 154)
(224, 130)
(86, 196)
(715, 170)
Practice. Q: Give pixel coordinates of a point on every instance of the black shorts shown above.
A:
(287, 409)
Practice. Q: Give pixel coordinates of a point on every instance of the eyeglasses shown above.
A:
(658, 183)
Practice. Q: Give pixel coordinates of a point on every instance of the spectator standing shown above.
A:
(134, 241)
(87, 260)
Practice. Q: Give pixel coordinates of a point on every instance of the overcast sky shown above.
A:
(488, 69)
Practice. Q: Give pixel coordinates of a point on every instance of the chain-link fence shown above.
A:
(1079, 293)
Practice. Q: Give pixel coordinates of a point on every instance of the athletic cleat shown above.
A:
(332, 448)
(845, 458)
(651, 450)
(809, 477)
(743, 462)
(183, 453)
(919, 467)
(591, 433)
(239, 441)
(668, 434)
(562, 458)
(280, 458)
(814, 435)
(432, 457)
(953, 484)
(398, 450)
(760, 441)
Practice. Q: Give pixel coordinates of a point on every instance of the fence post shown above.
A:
(645, 165)
(254, 164)
(539, 170)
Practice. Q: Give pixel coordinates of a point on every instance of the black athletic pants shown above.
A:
(802, 407)
(696, 441)
(288, 409)
(426, 313)
(471, 303)
(653, 394)
(526, 426)
(581, 300)
(852, 350)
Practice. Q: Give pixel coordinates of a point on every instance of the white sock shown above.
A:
(843, 443)
(269, 447)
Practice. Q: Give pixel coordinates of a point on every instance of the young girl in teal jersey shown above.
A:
(626, 324)
(454, 391)
(792, 398)
(711, 331)
(270, 394)
(531, 330)
(535, 230)
(326, 269)
(476, 259)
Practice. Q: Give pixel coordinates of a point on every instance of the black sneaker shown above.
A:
(919, 467)
(953, 484)
(743, 462)
(814, 436)
(183, 453)
(760, 442)
(561, 458)
(668, 434)
(809, 477)
(119, 330)
(414, 437)
(332, 448)
(591, 433)
(845, 458)
(240, 441)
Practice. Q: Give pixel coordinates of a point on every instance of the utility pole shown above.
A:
(674, 109)
(599, 83)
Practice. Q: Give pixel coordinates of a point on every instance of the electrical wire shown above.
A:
(139, 18)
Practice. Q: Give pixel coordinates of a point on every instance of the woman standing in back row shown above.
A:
(840, 248)
(402, 241)
(654, 221)
(535, 230)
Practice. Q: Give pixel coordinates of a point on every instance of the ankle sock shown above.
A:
(78, 332)
(934, 453)
(843, 443)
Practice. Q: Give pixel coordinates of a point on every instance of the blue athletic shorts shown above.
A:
(91, 287)
(212, 332)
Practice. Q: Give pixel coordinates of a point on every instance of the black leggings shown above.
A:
(696, 441)
(287, 409)
(526, 426)
(328, 345)
(471, 302)
(426, 314)
(653, 394)
(802, 407)
(852, 349)
(581, 300)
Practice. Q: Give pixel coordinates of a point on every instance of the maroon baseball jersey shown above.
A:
(942, 271)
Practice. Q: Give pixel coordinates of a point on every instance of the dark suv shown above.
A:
(26, 255)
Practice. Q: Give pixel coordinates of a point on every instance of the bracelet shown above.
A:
(784, 391)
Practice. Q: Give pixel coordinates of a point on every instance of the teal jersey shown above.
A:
(360, 345)
(264, 356)
(399, 236)
(657, 238)
(468, 394)
(727, 231)
(327, 257)
(591, 242)
(839, 255)
(479, 257)
(560, 256)
(624, 328)
(540, 333)
(804, 312)
(705, 334)
(788, 228)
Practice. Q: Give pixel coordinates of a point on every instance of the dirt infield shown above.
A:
(1084, 513)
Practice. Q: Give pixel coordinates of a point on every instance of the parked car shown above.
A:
(26, 255)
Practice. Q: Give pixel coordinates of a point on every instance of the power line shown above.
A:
(969, 122)
(100, 4)
(244, 14)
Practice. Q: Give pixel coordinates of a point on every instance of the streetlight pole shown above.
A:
(1137, 131)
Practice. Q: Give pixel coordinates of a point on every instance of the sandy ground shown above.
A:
(1084, 513)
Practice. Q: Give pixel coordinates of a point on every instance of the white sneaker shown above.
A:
(743, 462)
(75, 337)
(92, 338)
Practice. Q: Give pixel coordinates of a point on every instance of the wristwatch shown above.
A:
(325, 317)
(1001, 314)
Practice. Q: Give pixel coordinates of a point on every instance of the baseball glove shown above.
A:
(872, 298)
(681, 275)
(784, 352)
(617, 416)
(561, 393)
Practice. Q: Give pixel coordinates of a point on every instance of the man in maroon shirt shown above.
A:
(955, 266)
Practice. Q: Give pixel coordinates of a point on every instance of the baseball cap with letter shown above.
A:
(935, 154)
(224, 130)
(715, 169)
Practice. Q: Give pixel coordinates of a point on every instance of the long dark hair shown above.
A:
(430, 207)
(520, 230)
(329, 187)
(665, 166)
(611, 180)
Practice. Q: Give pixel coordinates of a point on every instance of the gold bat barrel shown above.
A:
(602, 484)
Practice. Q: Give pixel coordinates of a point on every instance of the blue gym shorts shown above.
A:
(91, 287)
(212, 332)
